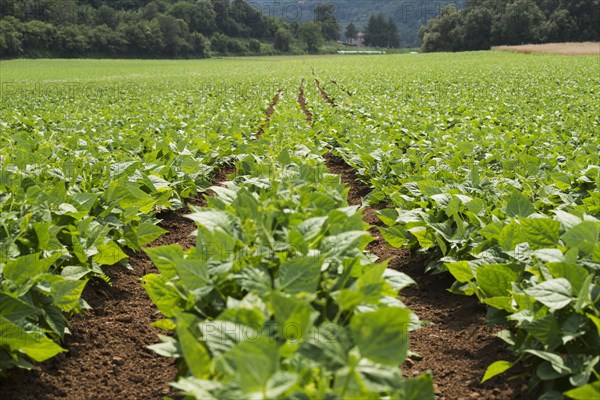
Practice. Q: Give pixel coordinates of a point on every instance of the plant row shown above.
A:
(509, 205)
(278, 298)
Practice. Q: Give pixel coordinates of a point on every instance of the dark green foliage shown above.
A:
(484, 23)
(351, 31)
(324, 14)
(131, 28)
(381, 33)
(310, 34)
(282, 40)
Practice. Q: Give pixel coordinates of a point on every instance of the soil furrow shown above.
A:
(269, 113)
(349, 93)
(324, 94)
(107, 354)
(302, 102)
(456, 345)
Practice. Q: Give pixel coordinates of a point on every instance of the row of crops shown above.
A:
(498, 182)
(82, 175)
(488, 165)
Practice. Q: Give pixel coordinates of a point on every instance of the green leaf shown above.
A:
(461, 271)
(555, 293)
(509, 236)
(212, 219)
(419, 388)
(164, 296)
(500, 302)
(546, 330)
(381, 335)
(27, 267)
(422, 236)
(348, 299)
(279, 383)
(164, 258)
(147, 233)
(495, 280)
(255, 363)
(300, 274)
(109, 254)
(74, 273)
(575, 274)
(540, 232)
(66, 293)
(311, 227)
(519, 205)
(396, 279)
(394, 235)
(168, 347)
(32, 343)
(388, 216)
(195, 354)
(591, 391)
(193, 273)
(346, 243)
(496, 368)
(15, 309)
(584, 236)
(555, 360)
(293, 314)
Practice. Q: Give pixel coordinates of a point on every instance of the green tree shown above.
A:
(443, 33)
(199, 15)
(325, 16)
(351, 31)
(254, 46)
(143, 37)
(37, 36)
(72, 40)
(560, 26)
(310, 34)
(282, 40)
(175, 35)
(10, 37)
(522, 22)
(200, 44)
(478, 29)
(375, 34)
(106, 40)
(393, 36)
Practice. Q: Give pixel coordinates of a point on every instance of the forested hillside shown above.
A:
(484, 23)
(132, 28)
(408, 15)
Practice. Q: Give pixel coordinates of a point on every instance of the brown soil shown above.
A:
(324, 94)
(107, 356)
(456, 346)
(269, 113)
(302, 102)
(349, 93)
(569, 49)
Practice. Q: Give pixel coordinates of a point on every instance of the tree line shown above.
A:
(484, 23)
(155, 29)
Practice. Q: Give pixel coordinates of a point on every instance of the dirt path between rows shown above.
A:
(302, 102)
(324, 94)
(268, 113)
(107, 356)
(456, 345)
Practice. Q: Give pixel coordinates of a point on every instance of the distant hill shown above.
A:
(408, 15)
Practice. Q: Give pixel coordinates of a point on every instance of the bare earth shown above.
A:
(570, 49)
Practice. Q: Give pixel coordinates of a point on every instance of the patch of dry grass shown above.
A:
(571, 49)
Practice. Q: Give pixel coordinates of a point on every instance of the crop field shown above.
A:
(330, 227)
